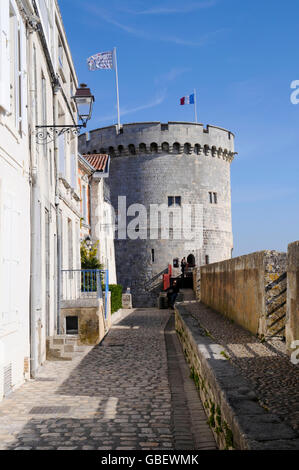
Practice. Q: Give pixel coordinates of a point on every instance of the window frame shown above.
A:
(174, 201)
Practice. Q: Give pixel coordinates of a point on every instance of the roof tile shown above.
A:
(97, 160)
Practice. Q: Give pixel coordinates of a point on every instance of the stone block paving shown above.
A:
(118, 395)
(266, 365)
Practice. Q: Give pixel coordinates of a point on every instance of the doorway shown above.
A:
(71, 325)
(191, 260)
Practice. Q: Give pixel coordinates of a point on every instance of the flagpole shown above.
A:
(117, 90)
(195, 105)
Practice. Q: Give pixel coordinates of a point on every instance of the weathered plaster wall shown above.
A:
(91, 323)
(292, 323)
(250, 290)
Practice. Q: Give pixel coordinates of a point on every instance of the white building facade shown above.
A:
(14, 200)
(39, 195)
(102, 214)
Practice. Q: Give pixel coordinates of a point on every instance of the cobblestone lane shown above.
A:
(119, 395)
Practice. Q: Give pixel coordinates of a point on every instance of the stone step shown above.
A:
(66, 356)
(58, 341)
(71, 340)
(56, 348)
(59, 354)
(69, 348)
(73, 348)
(66, 337)
(63, 347)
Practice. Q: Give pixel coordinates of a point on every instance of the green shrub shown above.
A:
(116, 297)
(89, 256)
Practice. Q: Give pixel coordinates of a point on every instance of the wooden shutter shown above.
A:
(24, 78)
(73, 171)
(61, 150)
(4, 56)
(11, 251)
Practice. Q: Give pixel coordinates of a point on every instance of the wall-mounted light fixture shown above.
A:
(84, 103)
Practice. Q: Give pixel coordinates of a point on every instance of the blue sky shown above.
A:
(241, 56)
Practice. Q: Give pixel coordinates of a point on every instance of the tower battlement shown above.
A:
(158, 138)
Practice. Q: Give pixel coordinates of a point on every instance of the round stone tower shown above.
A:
(180, 173)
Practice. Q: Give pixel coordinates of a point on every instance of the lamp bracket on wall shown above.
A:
(46, 134)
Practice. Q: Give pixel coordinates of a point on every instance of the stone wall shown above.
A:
(196, 282)
(250, 290)
(292, 323)
(92, 327)
(234, 414)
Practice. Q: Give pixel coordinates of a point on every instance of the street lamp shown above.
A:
(84, 102)
(88, 242)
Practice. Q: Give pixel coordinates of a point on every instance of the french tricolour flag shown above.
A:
(187, 99)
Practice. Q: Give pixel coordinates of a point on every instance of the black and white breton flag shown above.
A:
(103, 60)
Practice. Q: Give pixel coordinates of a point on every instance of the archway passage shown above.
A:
(191, 260)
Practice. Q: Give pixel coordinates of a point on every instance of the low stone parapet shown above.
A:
(232, 408)
(250, 290)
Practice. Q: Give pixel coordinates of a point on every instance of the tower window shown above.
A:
(153, 256)
(213, 198)
(207, 259)
(174, 200)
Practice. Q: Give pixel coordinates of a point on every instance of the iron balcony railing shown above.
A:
(78, 284)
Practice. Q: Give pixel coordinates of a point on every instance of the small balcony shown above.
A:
(78, 284)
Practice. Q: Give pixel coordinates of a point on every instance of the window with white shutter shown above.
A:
(44, 110)
(73, 171)
(61, 151)
(10, 258)
(35, 84)
(4, 56)
(84, 204)
(14, 56)
(23, 79)
(70, 244)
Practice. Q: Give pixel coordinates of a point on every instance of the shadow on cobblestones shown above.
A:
(118, 395)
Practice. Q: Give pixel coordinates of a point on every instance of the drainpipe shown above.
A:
(57, 205)
(35, 306)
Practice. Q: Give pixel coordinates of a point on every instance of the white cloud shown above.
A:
(170, 9)
(125, 110)
(201, 41)
(172, 75)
